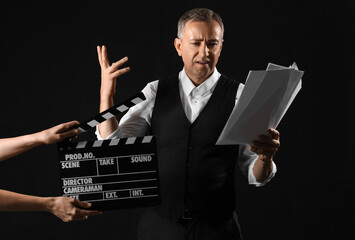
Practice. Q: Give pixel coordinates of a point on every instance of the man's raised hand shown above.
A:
(109, 73)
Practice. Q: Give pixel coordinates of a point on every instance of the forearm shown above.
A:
(10, 201)
(109, 126)
(10, 147)
(109, 73)
(262, 168)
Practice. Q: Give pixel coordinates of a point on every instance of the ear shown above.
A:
(177, 44)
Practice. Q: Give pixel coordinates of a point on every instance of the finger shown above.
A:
(91, 212)
(253, 149)
(121, 71)
(104, 57)
(264, 146)
(99, 54)
(72, 124)
(117, 64)
(70, 133)
(82, 204)
(261, 151)
(67, 126)
(270, 141)
(274, 133)
(257, 150)
(82, 214)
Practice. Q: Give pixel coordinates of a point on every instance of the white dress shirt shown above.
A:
(136, 122)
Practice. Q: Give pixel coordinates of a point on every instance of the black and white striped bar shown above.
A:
(120, 108)
(101, 143)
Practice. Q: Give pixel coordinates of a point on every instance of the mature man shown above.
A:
(187, 112)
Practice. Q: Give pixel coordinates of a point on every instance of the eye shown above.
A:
(196, 43)
(212, 44)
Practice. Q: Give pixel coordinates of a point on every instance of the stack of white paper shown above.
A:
(265, 99)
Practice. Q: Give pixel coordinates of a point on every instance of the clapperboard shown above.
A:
(111, 174)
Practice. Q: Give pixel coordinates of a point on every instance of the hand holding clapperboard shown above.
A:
(111, 174)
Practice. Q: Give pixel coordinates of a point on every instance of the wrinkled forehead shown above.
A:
(202, 30)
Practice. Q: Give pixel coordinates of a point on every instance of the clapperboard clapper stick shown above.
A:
(111, 174)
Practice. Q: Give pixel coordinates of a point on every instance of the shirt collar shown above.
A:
(208, 85)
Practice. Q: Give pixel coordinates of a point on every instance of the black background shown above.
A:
(50, 74)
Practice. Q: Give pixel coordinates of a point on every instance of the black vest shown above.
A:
(195, 174)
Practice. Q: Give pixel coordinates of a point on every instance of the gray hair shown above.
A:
(198, 15)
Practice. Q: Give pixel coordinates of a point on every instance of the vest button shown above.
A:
(188, 164)
(189, 147)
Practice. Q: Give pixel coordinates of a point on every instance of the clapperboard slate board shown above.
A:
(111, 174)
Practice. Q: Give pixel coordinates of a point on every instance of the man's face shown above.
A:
(200, 48)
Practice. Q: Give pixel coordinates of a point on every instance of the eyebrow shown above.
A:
(200, 40)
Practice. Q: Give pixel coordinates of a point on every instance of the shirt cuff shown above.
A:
(251, 177)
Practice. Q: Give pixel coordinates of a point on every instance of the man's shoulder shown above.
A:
(153, 85)
(151, 88)
(233, 85)
(171, 77)
(229, 80)
(168, 80)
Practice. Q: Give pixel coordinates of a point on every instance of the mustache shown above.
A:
(202, 60)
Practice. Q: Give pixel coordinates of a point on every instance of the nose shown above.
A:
(204, 51)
